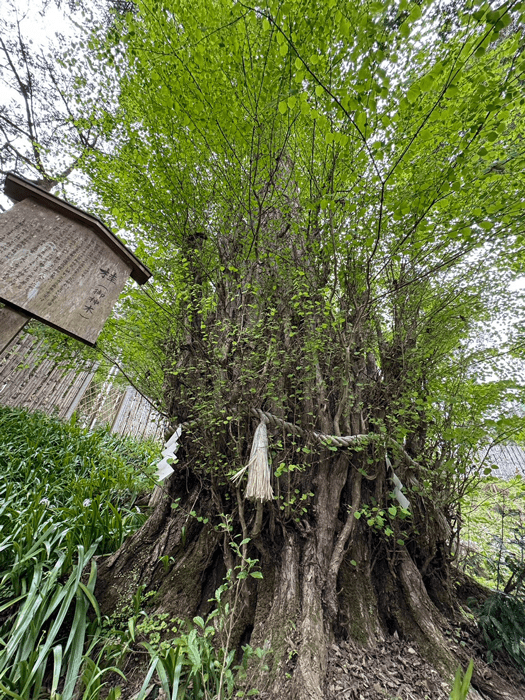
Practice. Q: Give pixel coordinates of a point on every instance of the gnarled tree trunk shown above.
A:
(328, 577)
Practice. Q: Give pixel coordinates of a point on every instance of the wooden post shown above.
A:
(121, 410)
(11, 323)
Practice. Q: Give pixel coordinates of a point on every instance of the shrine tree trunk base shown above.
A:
(338, 616)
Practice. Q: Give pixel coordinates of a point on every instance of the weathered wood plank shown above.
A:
(27, 380)
(68, 410)
(15, 355)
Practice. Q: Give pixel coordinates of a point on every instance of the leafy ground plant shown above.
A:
(199, 662)
(66, 494)
(502, 620)
(494, 554)
(462, 683)
(188, 659)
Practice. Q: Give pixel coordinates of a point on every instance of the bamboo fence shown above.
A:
(33, 378)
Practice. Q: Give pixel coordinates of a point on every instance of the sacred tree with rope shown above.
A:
(330, 198)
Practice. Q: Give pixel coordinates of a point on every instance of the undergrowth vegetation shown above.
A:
(493, 533)
(188, 659)
(66, 494)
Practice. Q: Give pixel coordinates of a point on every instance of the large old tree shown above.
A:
(330, 195)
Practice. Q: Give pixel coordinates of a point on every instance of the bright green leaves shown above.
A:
(500, 18)
(360, 121)
(415, 13)
(328, 120)
(350, 103)
(294, 102)
(413, 93)
(427, 82)
(486, 225)
(404, 30)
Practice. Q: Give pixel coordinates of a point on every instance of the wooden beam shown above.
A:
(11, 323)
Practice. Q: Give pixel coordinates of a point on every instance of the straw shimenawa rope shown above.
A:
(337, 440)
(259, 486)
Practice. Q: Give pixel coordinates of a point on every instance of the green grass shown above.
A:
(65, 495)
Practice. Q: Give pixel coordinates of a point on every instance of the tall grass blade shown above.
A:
(75, 643)
(57, 668)
(149, 675)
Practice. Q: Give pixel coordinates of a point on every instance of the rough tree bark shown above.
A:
(326, 578)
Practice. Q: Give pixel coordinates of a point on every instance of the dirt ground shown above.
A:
(394, 670)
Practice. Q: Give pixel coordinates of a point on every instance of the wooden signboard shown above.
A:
(59, 264)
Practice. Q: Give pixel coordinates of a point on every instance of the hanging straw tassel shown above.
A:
(258, 487)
